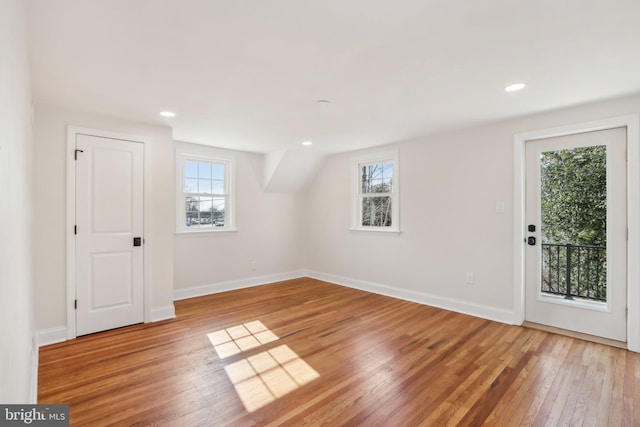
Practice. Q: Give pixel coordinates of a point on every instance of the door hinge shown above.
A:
(75, 154)
(75, 304)
(75, 229)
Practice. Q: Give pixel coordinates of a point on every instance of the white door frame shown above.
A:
(72, 131)
(632, 123)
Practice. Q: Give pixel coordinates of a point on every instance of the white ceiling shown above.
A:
(246, 74)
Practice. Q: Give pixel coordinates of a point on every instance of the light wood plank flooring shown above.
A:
(305, 352)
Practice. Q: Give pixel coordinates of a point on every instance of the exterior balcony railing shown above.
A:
(575, 271)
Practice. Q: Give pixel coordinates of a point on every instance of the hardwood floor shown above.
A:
(377, 361)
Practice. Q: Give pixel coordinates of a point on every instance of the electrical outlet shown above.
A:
(469, 280)
(254, 265)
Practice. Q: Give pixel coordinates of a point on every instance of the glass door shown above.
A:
(576, 233)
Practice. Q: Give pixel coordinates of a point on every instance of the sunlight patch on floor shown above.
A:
(264, 377)
(269, 375)
(236, 339)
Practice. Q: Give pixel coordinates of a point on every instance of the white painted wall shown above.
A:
(450, 186)
(17, 378)
(268, 232)
(50, 166)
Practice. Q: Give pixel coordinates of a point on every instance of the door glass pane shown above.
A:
(573, 201)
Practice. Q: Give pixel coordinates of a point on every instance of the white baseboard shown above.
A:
(459, 306)
(51, 336)
(59, 334)
(232, 285)
(163, 313)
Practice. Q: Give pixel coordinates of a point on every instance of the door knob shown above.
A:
(531, 241)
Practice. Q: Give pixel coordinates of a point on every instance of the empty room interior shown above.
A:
(291, 212)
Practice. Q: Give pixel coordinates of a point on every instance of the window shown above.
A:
(376, 204)
(204, 194)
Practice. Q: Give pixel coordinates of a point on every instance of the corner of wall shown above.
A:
(232, 285)
(163, 313)
(33, 389)
(270, 165)
(50, 336)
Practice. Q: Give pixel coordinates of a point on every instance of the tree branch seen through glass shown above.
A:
(376, 189)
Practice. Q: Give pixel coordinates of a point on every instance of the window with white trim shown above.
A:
(376, 201)
(204, 198)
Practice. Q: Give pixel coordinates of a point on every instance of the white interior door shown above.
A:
(576, 219)
(109, 216)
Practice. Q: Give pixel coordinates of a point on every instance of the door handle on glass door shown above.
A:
(531, 241)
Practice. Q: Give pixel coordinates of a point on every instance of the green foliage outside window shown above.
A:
(574, 213)
(574, 196)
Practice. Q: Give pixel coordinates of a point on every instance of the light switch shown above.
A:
(500, 207)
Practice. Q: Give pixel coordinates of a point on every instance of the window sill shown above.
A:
(204, 233)
(375, 230)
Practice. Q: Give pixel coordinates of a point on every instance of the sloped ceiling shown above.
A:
(290, 171)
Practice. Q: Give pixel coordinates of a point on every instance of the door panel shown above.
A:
(112, 191)
(109, 214)
(576, 212)
(108, 268)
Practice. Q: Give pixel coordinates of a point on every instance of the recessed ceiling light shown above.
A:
(168, 114)
(307, 143)
(514, 87)
(323, 101)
